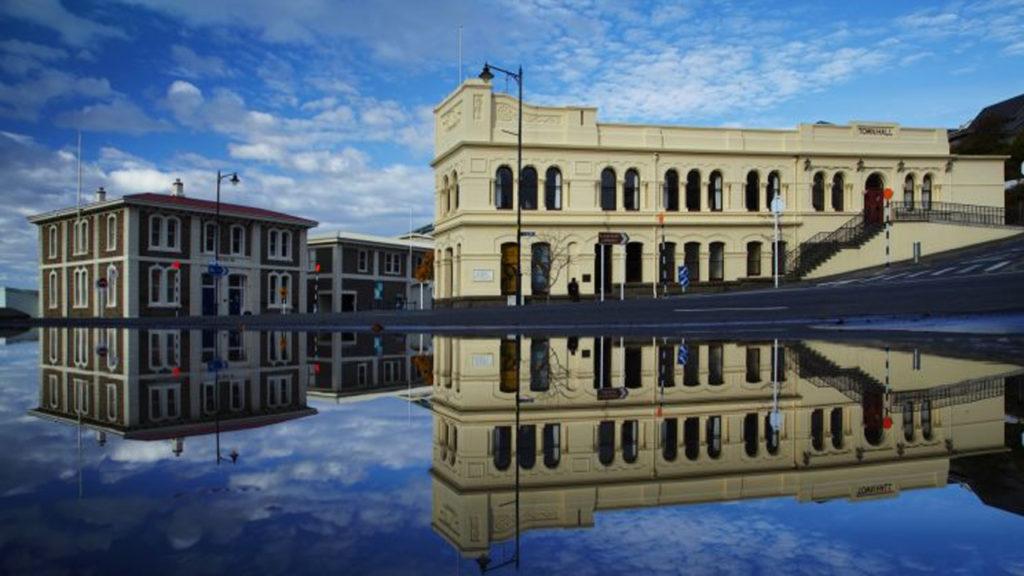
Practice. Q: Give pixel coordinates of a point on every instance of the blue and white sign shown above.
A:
(217, 269)
(216, 366)
(684, 276)
(683, 355)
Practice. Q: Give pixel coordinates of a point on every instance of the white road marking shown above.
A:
(995, 267)
(895, 276)
(734, 309)
(916, 274)
(943, 271)
(968, 269)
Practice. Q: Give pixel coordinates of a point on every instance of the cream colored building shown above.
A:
(704, 436)
(714, 187)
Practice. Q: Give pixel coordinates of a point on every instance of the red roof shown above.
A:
(186, 203)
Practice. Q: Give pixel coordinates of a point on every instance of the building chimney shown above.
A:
(178, 189)
(101, 195)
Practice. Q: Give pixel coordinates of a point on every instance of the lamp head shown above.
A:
(485, 74)
(234, 179)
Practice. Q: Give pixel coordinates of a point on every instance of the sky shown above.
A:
(324, 107)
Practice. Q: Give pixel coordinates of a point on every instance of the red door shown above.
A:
(874, 206)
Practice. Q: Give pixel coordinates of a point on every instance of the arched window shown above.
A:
(693, 191)
(446, 202)
(714, 435)
(606, 442)
(716, 262)
(112, 291)
(691, 258)
(552, 445)
(774, 188)
(838, 184)
(540, 268)
(771, 436)
(691, 372)
(508, 365)
(553, 189)
(818, 192)
(753, 258)
(540, 365)
(81, 245)
(52, 289)
(691, 438)
(503, 188)
(752, 193)
(908, 191)
(926, 192)
(237, 243)
(753, 364)
(455, 190)
(908, 421)
(836, 427)
(716, 364)
(111, 232)
(818, 430)
(51, 248)
(750, 439)
(608, 189)
(669, 439)
(81, 285)
(630, 441)
(715, 192)
(526, 446)
(528, 188)
(671, 199)
(635, 262)
(502, 440)
(631, 191)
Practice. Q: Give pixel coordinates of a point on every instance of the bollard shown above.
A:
(917, 252)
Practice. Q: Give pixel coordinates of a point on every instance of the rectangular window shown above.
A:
(280, 288)
(164, 286)
(54, 344)
(164, 233)
(237, 240)
(210, 237)
(164, 350)
(209, 398)
(363, 261)
(236, 346)
(81, 245)
(237, 395)
(112, 276)
(164, 402)
(392, 369)
(361, 374)
(110, 338)
(81, 344)
(392, 263)
(279, 391)
(81, 287)
(279, 347)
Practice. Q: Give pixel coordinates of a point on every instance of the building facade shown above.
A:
(353, 272)
(159, 385)
(149, 255)
(348, 364)
(698, 197)
(809, 420)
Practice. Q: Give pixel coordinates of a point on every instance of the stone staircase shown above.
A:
(819, 248)
(820, 371)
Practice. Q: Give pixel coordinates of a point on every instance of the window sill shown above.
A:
(164, 248)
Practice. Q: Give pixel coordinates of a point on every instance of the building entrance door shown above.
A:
(874, 206)
(236, 294)
(209, 295)
(509, 268)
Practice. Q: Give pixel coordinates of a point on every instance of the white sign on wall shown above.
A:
(483, 275)
(483, 360)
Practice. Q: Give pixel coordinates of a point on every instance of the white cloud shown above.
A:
(25, 99)
(119, 115)
(74, 30)
(191, 65)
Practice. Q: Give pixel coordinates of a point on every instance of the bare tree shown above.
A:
(547, 265)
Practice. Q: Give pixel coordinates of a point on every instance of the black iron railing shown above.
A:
(968, 214)
(823, 245)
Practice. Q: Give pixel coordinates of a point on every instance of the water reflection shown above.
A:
(565, 428)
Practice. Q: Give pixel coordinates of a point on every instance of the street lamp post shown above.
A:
(486, 76)
(216, 243)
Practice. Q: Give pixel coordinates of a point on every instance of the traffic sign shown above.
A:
(101, 351)
(775, 420)
(217, 269)
(612, 393)
(526, 233)
(683, 355)
(101, 283)
(778, 205)
(684, 276)
(612, 238)
(216, 365)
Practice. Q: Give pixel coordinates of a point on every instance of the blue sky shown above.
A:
(324, 106)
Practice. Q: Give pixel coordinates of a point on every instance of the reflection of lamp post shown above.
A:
(486, 76)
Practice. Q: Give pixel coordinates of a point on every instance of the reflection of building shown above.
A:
(347, 364)
(364, 272)
(16, 302)
(153, 252)
(699, 433)
(157, 384)
(714, 186)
